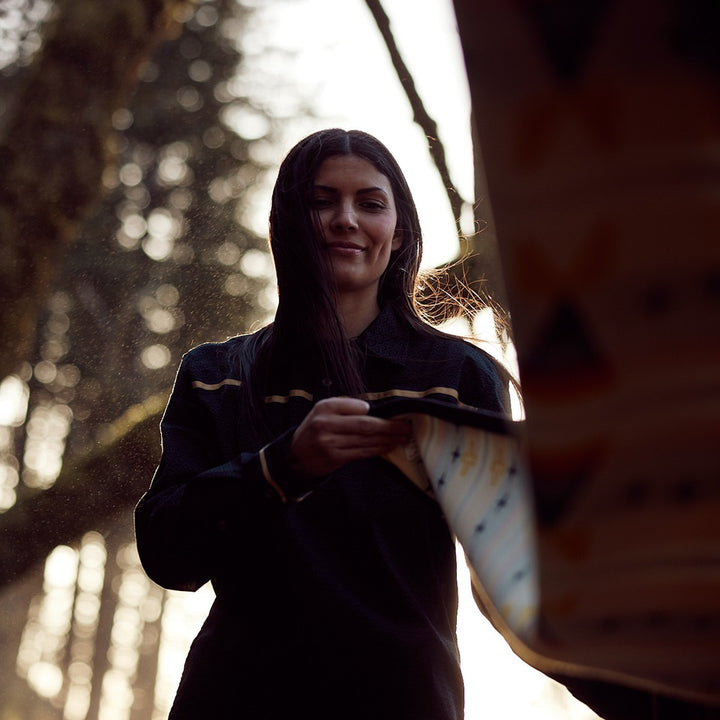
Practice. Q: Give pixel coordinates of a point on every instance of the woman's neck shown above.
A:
(356, 316)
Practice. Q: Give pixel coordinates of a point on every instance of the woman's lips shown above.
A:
(345, 248)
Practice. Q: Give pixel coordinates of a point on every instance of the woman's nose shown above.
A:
(344, 218)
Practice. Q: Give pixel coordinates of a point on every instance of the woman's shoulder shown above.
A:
(437, 341)
(480, 380)
(411, 339)
(218, 359)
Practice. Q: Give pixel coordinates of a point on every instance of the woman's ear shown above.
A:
(397, 240)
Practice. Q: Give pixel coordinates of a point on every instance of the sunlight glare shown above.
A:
(14, 394)
(45, 636)
(190, 99)
(130, 174)
(77, 702)
(155, 357)
(126, 638)
(45, 372)
(45, 679)
(117, 696)
(90, 580)
(160, 321)
(167, 295)
(134, 226)
(46, 431)
(268, 299)
(182, 618)
(228, 253)
(172, 170)
(9, 478)
(245, 121)
(257, 264)
(498, 684)
(158, 248)
(236, 284)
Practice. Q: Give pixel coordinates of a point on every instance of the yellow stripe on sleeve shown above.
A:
(216, 386)
(393, 392)
(268, 476)
(286, 398)
(452, 392)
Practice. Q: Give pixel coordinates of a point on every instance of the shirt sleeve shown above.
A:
(185, 521)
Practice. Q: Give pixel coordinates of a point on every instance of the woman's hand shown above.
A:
(339, 430)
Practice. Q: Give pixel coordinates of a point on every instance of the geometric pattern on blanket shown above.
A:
(480, 482)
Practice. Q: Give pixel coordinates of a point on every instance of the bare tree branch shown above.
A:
(420, 114)
(476, 278)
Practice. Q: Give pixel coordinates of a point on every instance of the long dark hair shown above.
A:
(306, 323)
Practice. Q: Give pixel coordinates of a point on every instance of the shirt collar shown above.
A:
(387, 336)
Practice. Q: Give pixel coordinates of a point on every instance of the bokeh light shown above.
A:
(46, 431)
(257, 264)
(14, 394)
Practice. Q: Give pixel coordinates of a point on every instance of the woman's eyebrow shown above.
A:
(361, 191)
(372, 190)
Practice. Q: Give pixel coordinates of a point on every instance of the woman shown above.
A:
(334, 574)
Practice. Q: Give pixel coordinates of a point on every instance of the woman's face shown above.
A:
(356, 211)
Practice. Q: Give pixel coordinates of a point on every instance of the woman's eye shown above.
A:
(320, 202)
(373, 205)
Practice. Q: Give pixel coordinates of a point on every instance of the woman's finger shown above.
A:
(338, 431)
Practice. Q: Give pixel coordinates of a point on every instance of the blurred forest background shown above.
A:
(127, 144)
(131, 140)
